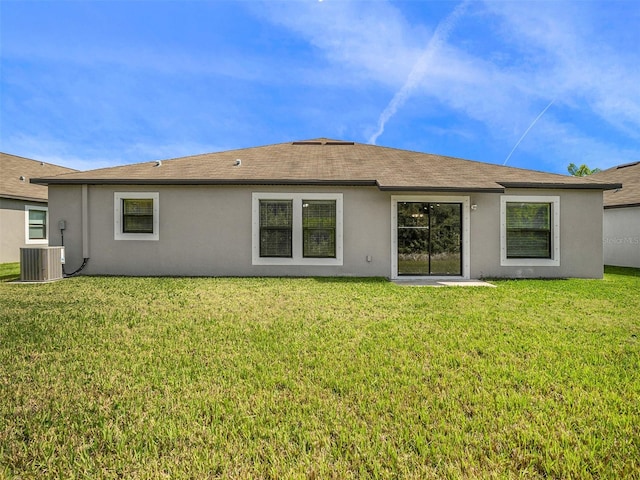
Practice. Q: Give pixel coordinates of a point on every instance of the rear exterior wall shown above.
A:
(207, 231)
(580, 236)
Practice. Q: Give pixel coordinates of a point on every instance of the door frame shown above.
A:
(466, 230)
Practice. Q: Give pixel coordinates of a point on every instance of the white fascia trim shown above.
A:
(554, 261)
(466, 232)
(117, 216)
(37, 241)
(297, 257)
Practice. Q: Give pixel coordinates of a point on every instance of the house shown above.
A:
(23, 205)
(621, 229)
(328, 208)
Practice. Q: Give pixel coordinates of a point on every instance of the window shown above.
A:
(136, 215)
(297, 229)
(530, 230)
(276, 226)
(319, 228)
(36, 221)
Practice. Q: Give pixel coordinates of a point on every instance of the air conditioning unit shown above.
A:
(41, 264)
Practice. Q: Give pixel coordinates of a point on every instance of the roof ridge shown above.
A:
(326, 162)
(625, 165)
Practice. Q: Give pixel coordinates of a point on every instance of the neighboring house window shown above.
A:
(297, 229)
(530, 230)
(36, 221)
(136, 215)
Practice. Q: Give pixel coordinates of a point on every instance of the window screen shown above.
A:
(276, 223)
(319, 228)
(528, 230)
(137, 215)
(37, 224)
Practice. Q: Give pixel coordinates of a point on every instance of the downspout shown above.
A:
(85, 221)
(85, 231)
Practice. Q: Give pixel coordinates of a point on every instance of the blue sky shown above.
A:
(88, 84)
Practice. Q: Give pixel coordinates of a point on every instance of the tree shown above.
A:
(581, 171)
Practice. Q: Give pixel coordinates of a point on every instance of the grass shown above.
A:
(319, 378)
(9, 272)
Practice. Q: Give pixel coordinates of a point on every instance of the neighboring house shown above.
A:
(621, 231)
(328, 208)
(23, 205)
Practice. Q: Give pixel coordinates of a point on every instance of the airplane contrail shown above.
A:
(527, 131)
(442, 32)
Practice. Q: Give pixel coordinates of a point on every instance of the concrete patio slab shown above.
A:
(432, 282)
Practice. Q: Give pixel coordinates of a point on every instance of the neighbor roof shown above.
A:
(323, 161)
(629, 176)
(15, 173)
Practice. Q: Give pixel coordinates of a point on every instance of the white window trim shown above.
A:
(466, 232)
(554, 261)
(117, 216)
(297, 258)
(35, 241)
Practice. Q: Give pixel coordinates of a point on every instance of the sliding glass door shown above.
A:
(429, 238)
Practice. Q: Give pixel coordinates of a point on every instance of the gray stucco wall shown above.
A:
(622, 237)
(12, 228)
(207, 231)
(580, 236)
(66, 204)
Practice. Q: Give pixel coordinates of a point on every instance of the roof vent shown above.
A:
(237, 163)
(22, 178)
(319, 142)
(158, 163)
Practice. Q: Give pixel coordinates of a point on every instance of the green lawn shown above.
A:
(9, 271)
(319, 378)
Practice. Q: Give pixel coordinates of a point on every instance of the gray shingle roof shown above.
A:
(328, 162)
(629, 176)
(15, 173)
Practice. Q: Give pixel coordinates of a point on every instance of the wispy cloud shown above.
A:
(81, 157)
(356, 41)
(541, 51)
(420, 69)
(535, 120)
(254, 72)
(556, 144)
(583, 72)
(51, 150)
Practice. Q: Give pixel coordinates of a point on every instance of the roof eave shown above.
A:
(622, 205)
(248, 182)
(571, 186)
(202, 181)
(427, 188)
(500, 186)
(22, 198)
